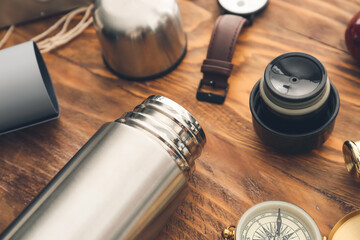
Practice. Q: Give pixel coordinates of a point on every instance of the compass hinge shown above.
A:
(229, 233)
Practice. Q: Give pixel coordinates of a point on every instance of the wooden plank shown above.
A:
(236, 170)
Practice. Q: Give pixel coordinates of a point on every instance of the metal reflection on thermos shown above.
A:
(124, 183)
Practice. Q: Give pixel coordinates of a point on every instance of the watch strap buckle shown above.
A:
(209, 96)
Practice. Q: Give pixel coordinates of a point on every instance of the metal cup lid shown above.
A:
(140, 39)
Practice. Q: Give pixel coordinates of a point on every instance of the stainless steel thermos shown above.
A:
(124, 183)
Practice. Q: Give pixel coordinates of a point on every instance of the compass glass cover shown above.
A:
(277, 222)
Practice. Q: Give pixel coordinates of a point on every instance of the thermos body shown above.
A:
(123, 184)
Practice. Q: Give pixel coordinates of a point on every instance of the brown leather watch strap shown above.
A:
(217, 66)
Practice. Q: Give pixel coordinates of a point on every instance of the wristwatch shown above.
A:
(217, 66)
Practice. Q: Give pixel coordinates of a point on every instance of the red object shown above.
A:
(352, 37)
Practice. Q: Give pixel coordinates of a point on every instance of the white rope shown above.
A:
(64, 35)
(47, 47)
(7, 36)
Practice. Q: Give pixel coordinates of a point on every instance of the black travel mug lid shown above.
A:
(295, 77)
(295, 84)
(27, 96)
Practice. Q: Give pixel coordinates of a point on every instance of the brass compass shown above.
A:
(277, 220)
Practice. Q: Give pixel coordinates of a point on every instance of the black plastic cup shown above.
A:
(294, 105)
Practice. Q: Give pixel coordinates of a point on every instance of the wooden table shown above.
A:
(235, 170)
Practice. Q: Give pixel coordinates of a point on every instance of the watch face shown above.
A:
(243, 7)
(276, 220)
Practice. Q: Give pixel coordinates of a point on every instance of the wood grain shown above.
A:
(235, 170)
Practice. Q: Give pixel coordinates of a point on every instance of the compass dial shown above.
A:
(264, 226)
(276, 220)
